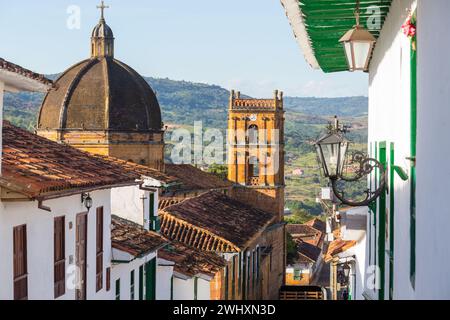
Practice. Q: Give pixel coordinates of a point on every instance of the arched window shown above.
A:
(252, 134)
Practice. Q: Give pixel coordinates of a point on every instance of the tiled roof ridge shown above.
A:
(193, 236)
(133, 238)
(214, 236)
(12, 67)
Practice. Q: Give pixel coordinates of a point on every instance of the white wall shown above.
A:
(433, 151)
(163, 281)
(184, 289)
(122, 271)
(40, 244)
(132, 203)
(389, 120)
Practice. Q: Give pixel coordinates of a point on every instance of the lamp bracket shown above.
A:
(366, 166)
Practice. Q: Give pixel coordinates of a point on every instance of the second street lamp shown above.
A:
(332, 151)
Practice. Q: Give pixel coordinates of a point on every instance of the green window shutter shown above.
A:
(152, 205)
(150, 280)
(141, 283)
(391, 219)
(118, 289)
(195, 288)
(382, 226)
(132, 285)
(171, 288)
(227, 280)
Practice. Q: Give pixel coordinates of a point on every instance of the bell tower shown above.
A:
(256, 151)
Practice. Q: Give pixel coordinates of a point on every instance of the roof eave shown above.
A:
(295, 17)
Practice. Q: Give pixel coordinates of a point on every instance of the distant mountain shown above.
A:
(184, 102)
(342, 107)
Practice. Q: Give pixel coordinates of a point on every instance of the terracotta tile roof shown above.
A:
(193, 179)
(317, 224)
(214, 222)
(164, 203)
(305, 233)
(11, 67)
(142, 170)
(133, 238)
(190, 261)
(338, 246)
(38, 167)
(308, 250)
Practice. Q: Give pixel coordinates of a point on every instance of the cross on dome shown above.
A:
(102, 8)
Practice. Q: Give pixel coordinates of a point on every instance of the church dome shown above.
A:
(100, 93)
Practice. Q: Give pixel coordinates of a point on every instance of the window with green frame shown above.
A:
(297, 274)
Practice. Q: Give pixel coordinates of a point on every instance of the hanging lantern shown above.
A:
(358, 44)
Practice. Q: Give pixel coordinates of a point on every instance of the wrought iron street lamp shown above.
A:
(332, 151)
(358, 44)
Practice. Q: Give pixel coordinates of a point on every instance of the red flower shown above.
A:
(409, 28)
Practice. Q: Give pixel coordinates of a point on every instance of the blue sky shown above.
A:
(240, 44)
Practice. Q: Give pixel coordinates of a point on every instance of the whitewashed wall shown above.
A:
(164, 275)
(122, 271)
(433, 151)
(184, 289)
(132, 203)
(389, 120)
(40, 244)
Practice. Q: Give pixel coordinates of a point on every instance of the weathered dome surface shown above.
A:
(100, 93)
(102, 30)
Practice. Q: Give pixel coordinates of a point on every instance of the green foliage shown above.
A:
(219, 170)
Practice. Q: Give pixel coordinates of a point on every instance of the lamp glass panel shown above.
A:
(349, 54)
(361, 51)
(331, 157)
(342, 155)
(321, 160)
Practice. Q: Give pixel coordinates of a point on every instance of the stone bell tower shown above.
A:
(256, 151)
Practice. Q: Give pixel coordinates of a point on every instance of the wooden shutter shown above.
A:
(59, 254)
(20, 263)
(99, 249)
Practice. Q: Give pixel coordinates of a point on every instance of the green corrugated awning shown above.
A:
(324, 22)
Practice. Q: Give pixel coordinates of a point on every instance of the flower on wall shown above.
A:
(410, 29)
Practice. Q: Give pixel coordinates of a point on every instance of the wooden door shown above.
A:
(81, 248)
(20, 263)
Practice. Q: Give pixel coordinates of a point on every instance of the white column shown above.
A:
(2, 88)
